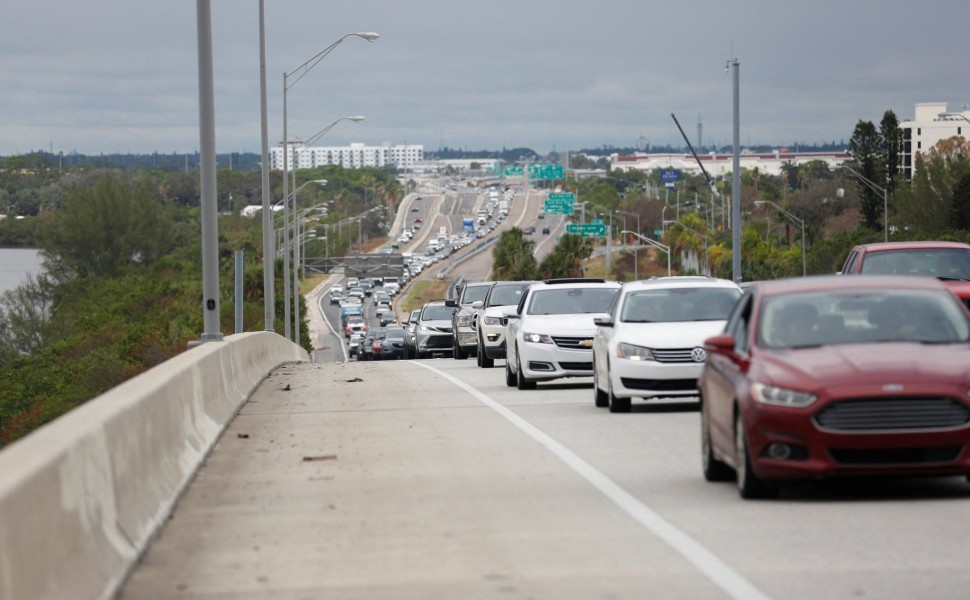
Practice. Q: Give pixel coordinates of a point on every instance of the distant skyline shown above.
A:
(112, 76)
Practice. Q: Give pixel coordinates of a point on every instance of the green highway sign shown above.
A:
(545, 171)
(560, 204)
(587, 229)
(558, 208)
(514, 171)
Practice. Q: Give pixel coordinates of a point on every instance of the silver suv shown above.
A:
(433, 329)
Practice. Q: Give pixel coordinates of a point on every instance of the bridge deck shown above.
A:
(377, 480)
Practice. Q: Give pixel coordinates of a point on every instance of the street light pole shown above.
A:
(654, 243)
(296, 246)
(269, 260)
(636, 251)
(301, 71)
(885, 199)
(207, 173)
(793, 218)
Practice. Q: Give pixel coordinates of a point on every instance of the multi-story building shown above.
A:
(354, 156)
(717, 165)
(931, 123)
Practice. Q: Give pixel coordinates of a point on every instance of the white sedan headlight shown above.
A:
(537, 338)
(776, 396)
(631, 352)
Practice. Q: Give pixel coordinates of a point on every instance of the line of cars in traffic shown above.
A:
(798, 379)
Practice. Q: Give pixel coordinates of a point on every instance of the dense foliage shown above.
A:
(121, 291)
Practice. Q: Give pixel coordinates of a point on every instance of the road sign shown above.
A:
(554, 207)
(669, 175)
(587, 229)
(545, 171)
(514, 171)
(560, 204)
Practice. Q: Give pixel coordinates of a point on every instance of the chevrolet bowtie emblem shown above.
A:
(586, 343)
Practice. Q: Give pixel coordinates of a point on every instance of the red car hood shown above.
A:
(854, 365)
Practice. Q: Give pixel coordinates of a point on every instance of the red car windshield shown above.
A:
(945, 263)
(863, 317)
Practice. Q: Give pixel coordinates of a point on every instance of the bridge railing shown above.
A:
(81, 497)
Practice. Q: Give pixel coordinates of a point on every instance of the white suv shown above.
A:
(652, 343)
(490, 324)
(550, 333)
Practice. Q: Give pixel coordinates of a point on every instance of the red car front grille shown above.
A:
(893, 414)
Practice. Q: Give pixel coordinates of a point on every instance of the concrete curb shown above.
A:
(82, 496)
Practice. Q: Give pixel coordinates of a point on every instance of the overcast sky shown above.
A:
(104, 76)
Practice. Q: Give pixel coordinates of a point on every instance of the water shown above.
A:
(15, 264)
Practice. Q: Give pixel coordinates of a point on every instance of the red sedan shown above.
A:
(837, 376)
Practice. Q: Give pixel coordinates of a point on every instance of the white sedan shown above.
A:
(651, 344)
(550, 333)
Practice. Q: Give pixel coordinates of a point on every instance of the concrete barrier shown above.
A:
(81, 497)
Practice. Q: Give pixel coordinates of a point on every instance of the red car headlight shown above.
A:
(777, 396)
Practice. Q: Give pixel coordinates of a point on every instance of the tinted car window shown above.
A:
(507, 295)
(679, 304)
(569, 301)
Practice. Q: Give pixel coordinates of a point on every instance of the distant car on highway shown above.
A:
(433, 330)
(947, 261)
(529, 230)
(491, 323)
(464, 337)
(550, 333)
(651, 343)
(393, 344)
(837, 376)
(410, 334)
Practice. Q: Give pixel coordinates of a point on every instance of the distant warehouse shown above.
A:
(354, 156)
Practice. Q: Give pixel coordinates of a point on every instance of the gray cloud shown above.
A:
(120, 76)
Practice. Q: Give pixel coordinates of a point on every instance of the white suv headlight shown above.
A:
(776, 396)
(631, 352)
(537, 338)
(492, 320)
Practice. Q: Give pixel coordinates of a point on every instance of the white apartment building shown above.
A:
(931, 123)
(717, 165)
(354, 156)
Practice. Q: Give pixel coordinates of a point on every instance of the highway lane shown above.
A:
(419, 479)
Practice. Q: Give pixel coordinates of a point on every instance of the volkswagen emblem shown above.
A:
(698, 354)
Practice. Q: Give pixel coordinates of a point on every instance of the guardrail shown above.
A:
(82, 497)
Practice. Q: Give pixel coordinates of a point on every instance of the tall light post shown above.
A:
(636, 251)
(794, 219)
(653, 243)
(300, 72)
(885, 199)
(296, 259)
(269, 259)
(698, 234)
(736, 175)
(207, 174)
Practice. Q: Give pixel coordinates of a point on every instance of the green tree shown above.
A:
(101, 229)
(960, 205)
(867, 147)
(892, 144)
(513, 257)
(566, 260)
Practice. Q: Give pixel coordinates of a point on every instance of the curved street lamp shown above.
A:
(794, 219)
(300, 72)
(296, 258)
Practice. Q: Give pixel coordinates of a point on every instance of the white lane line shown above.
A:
(722, 575)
